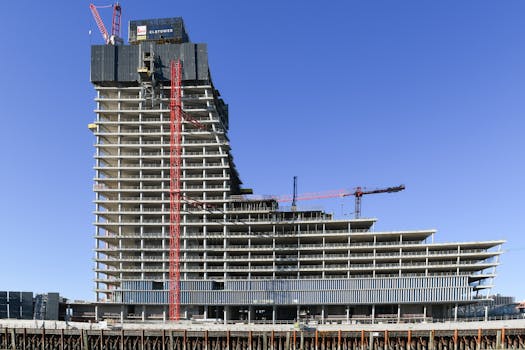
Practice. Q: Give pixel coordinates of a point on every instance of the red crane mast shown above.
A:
(175, 188)
(177, 116)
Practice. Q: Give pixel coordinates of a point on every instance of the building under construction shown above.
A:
(177, 236)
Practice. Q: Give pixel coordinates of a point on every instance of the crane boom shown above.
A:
(380, 190)
(100, 23)
(358, 193)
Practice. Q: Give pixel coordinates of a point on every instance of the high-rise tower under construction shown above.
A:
(239, 257)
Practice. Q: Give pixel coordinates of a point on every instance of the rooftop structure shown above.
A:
(241, 258)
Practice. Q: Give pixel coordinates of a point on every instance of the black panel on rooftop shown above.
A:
(113, 65)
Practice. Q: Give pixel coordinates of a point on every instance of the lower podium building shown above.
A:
(241, 258)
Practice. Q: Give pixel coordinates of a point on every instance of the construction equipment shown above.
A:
(177, 115)
(175, 188)
(294, 198)
(114, 38)
(358, 193)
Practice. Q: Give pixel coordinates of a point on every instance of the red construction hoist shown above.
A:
(175, 188)
(177, 115)
(115, 22)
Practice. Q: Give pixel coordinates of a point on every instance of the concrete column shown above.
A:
(425, 312)
(348, 314)
(121, 313)
(298, 313)
(322, 314)
(486, 313)
(205, 313)
(373, 313)
(398, 313)
(456, 312)
(250, 314)
(225, 314)
(143, 313)
(274, 314)
(97, 316)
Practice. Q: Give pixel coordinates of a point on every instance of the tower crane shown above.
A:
(114, 38)
(358, 193)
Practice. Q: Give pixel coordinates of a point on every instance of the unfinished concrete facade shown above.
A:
(241, 258)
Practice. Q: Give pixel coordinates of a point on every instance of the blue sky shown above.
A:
(370, 93)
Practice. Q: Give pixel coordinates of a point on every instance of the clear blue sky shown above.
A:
(340, 93)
